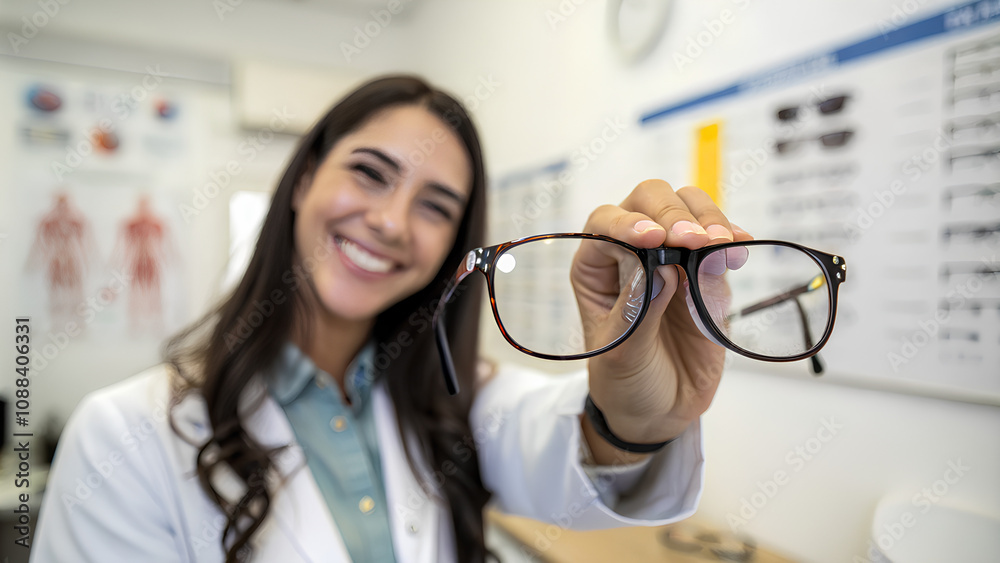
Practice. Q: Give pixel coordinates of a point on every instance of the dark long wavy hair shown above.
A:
(223, 352)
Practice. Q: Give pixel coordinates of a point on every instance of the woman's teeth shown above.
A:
(362, 258)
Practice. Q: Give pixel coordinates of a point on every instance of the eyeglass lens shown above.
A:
(537, 304)
(770, 300)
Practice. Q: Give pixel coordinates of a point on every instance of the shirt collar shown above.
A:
(294, 370)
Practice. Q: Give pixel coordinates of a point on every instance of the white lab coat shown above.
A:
(123, 487)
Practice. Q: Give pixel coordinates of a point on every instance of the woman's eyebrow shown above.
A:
(391, 162)
(448, 192)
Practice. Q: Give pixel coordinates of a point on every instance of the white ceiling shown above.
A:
(303, 31)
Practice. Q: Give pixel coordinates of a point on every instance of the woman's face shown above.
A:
(381, 212)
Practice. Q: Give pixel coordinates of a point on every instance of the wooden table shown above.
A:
(690, 541)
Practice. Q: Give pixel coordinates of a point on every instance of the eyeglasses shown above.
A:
(974, 306)
(959, 334)
(973, 156)
(828, 202)
(975, 126)
(977, 70)
(980, 192)
(830, 175)
(989, 48)
(984, 93)
(825, 107)
(709, 544)
(766, 300)
(973, 231)
(949, 269)
(828, 140)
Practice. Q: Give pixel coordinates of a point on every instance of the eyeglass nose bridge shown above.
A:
(664, 256)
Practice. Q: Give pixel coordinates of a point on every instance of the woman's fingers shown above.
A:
(689, 216)
(657, 200)
(739, 234)
(637, 229)
(654, 214)
(708, 214)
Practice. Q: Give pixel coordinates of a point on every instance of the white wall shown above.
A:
(551, 90)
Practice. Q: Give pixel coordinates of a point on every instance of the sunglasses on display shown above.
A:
(983, 93)
(970, 231)
(834, 139)
(968, 268)
(767, 300)
(981, 70)
(974, 306)
(974, 157)
(980, 192)
(833, 201)
(958, 335)
(825, 107)
(830, 175)
(987, 49)
(976, 124)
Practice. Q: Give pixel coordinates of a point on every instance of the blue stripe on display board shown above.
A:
(958, 18)
(530, 174)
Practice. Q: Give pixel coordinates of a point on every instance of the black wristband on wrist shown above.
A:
(601, 426)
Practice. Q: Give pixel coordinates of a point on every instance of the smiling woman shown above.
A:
(389, 221)
(358, 200)
(309, 419)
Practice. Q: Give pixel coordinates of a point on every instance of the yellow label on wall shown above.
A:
(708, 161)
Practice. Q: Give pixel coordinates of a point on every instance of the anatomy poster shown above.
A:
(104, 262)
(144, 255)
(65, 252)
(103, 164)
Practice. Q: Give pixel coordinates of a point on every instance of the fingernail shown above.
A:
(737, 229)
(645, 226)
(657, 283)
(687, 227)
(736, 257)
(717, 232)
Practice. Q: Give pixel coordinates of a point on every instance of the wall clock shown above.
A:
(636, 26)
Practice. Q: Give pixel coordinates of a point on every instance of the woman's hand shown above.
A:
(653, 385)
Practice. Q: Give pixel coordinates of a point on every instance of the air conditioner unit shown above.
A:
(263, 90)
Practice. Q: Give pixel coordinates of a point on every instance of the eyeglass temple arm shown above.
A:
(447, 364)
(815, 363)
(793, 294)
(440, 334)
(781, 297)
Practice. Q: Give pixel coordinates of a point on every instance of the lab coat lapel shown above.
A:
(421, 527)
(299, 526)
(299, 516)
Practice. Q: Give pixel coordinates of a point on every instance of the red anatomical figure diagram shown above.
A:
(141, 253)
(64, 245)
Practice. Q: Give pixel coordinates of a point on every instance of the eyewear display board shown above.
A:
(885, 151)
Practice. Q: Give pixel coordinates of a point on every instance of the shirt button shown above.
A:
(338, 423)
(413, 528)
(367, 505)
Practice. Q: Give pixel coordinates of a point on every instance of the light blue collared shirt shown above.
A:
(340, 445)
